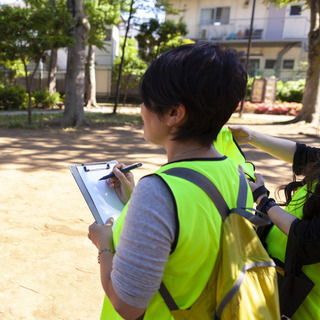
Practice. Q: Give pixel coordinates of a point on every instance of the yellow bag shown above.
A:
(243, 283)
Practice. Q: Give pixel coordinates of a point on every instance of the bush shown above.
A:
(13, 98)
(290, 91)
(285, 108)
(249, 87)
(43, 99)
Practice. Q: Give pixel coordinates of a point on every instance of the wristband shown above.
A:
(269, 204)
(262, 203)
(266, 204)
(260, 191)
(103, 250)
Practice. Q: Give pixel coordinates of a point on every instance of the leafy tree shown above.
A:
(311, 89)
(135, 12)
(132, 69)
(61, 24)
(155, 37)
(26, 34)
(101, 14)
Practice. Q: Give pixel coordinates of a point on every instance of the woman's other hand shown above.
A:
(123, 183)
(102, 236)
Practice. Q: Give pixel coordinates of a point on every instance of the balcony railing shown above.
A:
(263, 29)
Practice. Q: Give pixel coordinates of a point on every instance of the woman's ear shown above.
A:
(176, 116)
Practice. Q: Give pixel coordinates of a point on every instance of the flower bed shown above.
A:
(283, 108)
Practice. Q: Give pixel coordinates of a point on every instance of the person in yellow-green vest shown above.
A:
(170, 230)
(294, 240)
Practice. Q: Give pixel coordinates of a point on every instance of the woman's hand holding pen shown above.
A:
(123, 182)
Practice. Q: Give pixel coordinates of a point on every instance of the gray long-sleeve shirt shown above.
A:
(145, 243)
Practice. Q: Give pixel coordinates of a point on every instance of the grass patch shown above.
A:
(17, 121)
(101, 119)
(40, 120)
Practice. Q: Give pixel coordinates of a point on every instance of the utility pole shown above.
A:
(122, 58)
(248, 50)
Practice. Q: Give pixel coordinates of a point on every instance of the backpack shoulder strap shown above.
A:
(205, 184)
(212, 191)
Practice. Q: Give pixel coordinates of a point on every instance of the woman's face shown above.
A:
(154, 127)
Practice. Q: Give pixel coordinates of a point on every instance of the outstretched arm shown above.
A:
(280, 148)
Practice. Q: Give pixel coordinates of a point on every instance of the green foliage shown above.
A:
(43, 99)
(174, 42)
(249, 87)
(101, 14)
(281, 3)
(10, 70)
(290, 91)
(133, 66)
(166, 6)
(13, 97)
(27, 32)
(155, 38)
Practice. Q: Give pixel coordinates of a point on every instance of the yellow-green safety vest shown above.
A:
(226, 145)
(277, 243)
(189, 266)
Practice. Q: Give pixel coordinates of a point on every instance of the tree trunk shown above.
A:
(310, 111)
(126, 87)
(91, 78)
(75, 77)
(29, 81)
(52, 81)
(310, 93)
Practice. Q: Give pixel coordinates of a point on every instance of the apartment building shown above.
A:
(279, 40)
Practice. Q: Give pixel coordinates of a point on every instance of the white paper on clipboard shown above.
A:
(101, 199)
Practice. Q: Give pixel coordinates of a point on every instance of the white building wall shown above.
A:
(272, 29)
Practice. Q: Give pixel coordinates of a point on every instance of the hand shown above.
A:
(123, 183)
(255, 185)
(241, 134)
(259, 182)
(102, 236)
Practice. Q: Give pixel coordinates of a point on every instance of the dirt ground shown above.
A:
(48, 266)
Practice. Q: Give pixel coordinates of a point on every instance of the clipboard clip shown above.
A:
(96, 166)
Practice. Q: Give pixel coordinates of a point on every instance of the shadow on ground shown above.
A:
(48, 266)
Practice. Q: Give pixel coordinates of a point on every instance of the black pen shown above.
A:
(110, 175)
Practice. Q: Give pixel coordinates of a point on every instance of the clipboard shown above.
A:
(101, 199)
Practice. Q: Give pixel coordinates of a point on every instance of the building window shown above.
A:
(295, 10)
(216, 16)
(108, 36)
(288, 64)
(270, 64)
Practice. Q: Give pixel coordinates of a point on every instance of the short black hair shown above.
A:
(208, 80)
